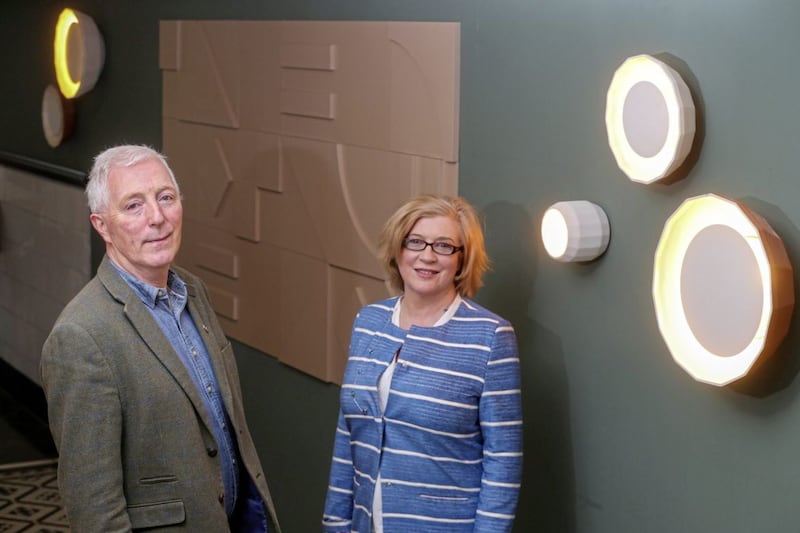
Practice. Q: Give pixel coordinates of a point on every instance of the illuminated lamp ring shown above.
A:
(78, 53)
(693, 216)
(680, 112)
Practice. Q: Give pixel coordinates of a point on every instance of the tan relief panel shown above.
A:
(293, 142)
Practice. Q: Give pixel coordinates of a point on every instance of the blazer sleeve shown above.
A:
(338, 514)
(501, 425)
(86, 422)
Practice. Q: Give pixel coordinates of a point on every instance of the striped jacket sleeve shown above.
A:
(338, 512)
(500, 412)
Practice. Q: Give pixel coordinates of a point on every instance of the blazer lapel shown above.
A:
(147, 328)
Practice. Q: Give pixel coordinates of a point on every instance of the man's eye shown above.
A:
(166, 198)
(133, 206)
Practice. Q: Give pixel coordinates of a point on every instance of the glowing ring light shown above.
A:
(722, 289)
(78, 53)
(650, 119)
(575, 231)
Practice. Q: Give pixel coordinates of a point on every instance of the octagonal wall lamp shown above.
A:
(79, 53)
(575, 231)
(650, 119)
(722, 288)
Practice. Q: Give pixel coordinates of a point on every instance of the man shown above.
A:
(142, 387)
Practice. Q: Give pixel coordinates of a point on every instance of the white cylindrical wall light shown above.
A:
(575, 231)
(58, 116)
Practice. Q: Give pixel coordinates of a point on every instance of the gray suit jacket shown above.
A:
(135, 443)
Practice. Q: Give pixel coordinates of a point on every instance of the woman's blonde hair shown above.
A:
(474, 260)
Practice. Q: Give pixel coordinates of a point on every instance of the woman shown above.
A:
(429, 436)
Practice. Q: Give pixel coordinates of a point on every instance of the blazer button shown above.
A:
(212, 452)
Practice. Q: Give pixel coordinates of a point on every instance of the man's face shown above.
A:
(142, 223)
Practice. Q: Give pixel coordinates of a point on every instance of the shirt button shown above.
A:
(209, 389)
(212, 452)
(221, 499)
(194, 353)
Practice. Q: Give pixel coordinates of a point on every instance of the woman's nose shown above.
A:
(428, 254)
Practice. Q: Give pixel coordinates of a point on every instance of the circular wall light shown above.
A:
(722, 288)
(650, 119)
(58, 116)
(79, 53)
(575, 231)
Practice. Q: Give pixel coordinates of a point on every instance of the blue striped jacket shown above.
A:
(449, 446)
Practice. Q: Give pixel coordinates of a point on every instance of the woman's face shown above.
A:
(425, 273)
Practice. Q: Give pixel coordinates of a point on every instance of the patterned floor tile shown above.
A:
(29, 500)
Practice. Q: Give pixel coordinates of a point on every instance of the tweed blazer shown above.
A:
(136, 449)
(449, 445)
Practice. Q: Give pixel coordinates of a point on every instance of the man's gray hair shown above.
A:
(125, 155)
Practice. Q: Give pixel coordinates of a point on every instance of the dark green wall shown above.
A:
(618, 437)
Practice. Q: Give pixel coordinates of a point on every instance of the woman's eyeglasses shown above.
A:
(438, 247)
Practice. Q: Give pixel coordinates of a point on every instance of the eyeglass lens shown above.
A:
(439, 247)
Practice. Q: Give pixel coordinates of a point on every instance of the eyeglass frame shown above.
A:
(455, 248)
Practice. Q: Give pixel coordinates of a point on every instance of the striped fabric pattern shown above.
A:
(449, 446)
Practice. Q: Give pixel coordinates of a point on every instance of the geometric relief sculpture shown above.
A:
(293, 142)
(650, 119)
(722, 288)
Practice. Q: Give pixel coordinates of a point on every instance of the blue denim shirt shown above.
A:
(169, 310)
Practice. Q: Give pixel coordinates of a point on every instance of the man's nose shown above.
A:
(155, 215)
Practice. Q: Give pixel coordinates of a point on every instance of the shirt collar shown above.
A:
(148, 293)
(448, 313)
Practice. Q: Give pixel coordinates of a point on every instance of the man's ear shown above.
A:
(99, 225)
